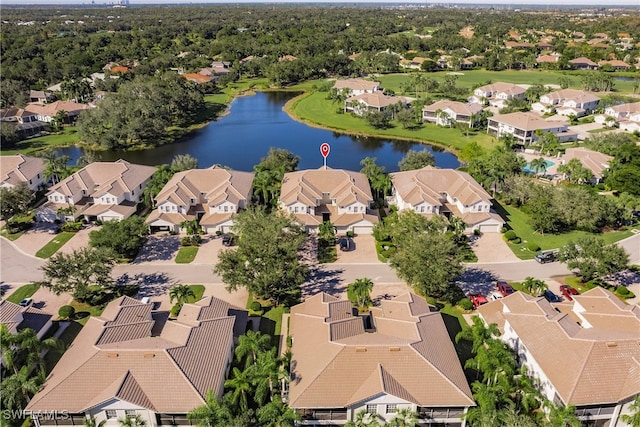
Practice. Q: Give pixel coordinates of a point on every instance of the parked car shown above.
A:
(568, 291)
(547, 256)
(228, 240)
(505, 289)
(550, 296)
(346, 244)
(477, 300)
(54, 230)
(493, 296)
(26, 302)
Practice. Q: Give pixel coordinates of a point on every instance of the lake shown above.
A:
(255, 123)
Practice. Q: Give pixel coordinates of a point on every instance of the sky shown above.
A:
(600, 3)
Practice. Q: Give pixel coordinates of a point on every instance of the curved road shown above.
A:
(17, 267)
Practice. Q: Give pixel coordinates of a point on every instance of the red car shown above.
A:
(568, 291)
(505, 289)
(477, 300)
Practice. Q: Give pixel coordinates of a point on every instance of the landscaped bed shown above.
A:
(55, 244)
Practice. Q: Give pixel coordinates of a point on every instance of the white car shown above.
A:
(494, 296)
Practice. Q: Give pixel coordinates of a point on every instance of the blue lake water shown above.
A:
(255, 123)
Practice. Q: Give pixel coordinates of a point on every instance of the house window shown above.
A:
(193, 201)
(133, 192)
(372, 409)
(130, 413)
(226, 208)
(392, 408)
(111, 413)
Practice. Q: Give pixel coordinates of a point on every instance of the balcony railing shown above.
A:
(323, 415)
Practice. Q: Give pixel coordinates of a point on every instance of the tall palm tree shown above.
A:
(250, 345)
(277, 414)
(633, 418)
(264, 373)
(17, 389)
(55, 167)
(241, 387)
(181, 294)
(212, 414)
(190, 226)
(364, 419)
(561, 416)
(405, 417)
(538, 165)
(534, 286)
(359, 293)
(91, 422)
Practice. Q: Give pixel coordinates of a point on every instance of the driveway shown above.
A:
(583, 129)
(159, 249)
(208, 250)
(35, 238)
(491, 247)
(79, 241)
(364, 251)
(49, 302)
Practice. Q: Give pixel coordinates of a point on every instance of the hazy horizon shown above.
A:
(514, 3)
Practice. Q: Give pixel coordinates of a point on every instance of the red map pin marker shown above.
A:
(324, 149)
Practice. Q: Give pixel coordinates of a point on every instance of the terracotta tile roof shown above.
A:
(501, 87)
(338, 364)
(528, 121)
(308, 186)
(564, 95)
(356, 84)
(18, 168)
(53, 108)
(197, 77)
(191, 358)
(588, 363)
(466, 109)
(583, 61)
(614, 63)
(428, 183)
(378, 99)
(594, 161)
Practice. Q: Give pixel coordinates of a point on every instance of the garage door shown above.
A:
(489, 228)
(362, 230)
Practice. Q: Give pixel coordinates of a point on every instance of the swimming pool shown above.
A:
(527, 168)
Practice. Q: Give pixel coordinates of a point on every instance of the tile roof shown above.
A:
(428, 183)
(501, 87)
(18, 168)
(528, 121)
(308, 186)
(338, 364)
(594, 161)
(356, 84)
(583, 60)
(122, 355)
(378, 99)
(564, 95)
(466, 109)
(596, 361)
(53, 108)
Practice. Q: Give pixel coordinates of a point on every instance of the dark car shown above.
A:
(568, 292)
(547, 256)
(346, 244)
(25, 302)
(550, 296)
(477, 300)
(505, 289)
(227, 240)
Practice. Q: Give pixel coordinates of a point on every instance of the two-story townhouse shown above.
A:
(131, 361)
(496, 94)
(398, 357)
(339, 196)
(376, 101)
(570, 349)
(595, 161)
(353, 87)
(445, 113)
(625, 115)
(449, 192)
(99, 191)
(567, 102)
(16, 318)
(19, 169)
(24, 122)
(213, 196)
(523, 127)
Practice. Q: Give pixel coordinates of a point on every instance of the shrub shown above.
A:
(510, 235)
(504, 230)
(533, 247)
(66, 312)
(516, 241)
(350, 233)
(175, 310)
(465, 304)
(622, 290)
(255, 306)
(72, 226)
(477, 232)
(185, 241)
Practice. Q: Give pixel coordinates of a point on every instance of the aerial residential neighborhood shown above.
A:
(341, 215)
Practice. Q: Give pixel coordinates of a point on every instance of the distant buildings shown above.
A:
(19, 169)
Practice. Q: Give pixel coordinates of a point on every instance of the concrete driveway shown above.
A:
(79, 241)
(158, 249)
(491, 247)
(35, 238)
(364, 251)
(208, 250)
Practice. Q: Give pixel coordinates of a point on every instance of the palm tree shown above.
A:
(55, 167)
(633, 417)
(264, 373)
(405, 417)
(364, 419)
(277, 414)
(534, 286)
(457, 227)
(190, 226)
(17, 388)
(181, 294)
(213, 413)
(240, 386)
(91, 422)
(250, 345)
(561, 416)
(132, 421)
(478, 333)
(359, 293)
(538, 165)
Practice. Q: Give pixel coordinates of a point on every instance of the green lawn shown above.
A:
(11, 236)
(34, 145)
(271, 323)
(519, 222)
(198, 291)
(186, 254)
(67, 337)
(24, 291)
(56, 243)
(84, 311)
(313, 108)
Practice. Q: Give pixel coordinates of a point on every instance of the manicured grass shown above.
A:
(24, 291)
(519, 222)
(56, 243)
(577, 283)
(67, 337)
(186, 254)
(34, 145)
(11, 236)
(271, 323)
(84, 311)
(198, 291)
(313, 108)
(455, 311)
(326, 251)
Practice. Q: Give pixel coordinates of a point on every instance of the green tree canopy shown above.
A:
(416, 160)
(592, 257)
(15, 200)
(124, 238)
